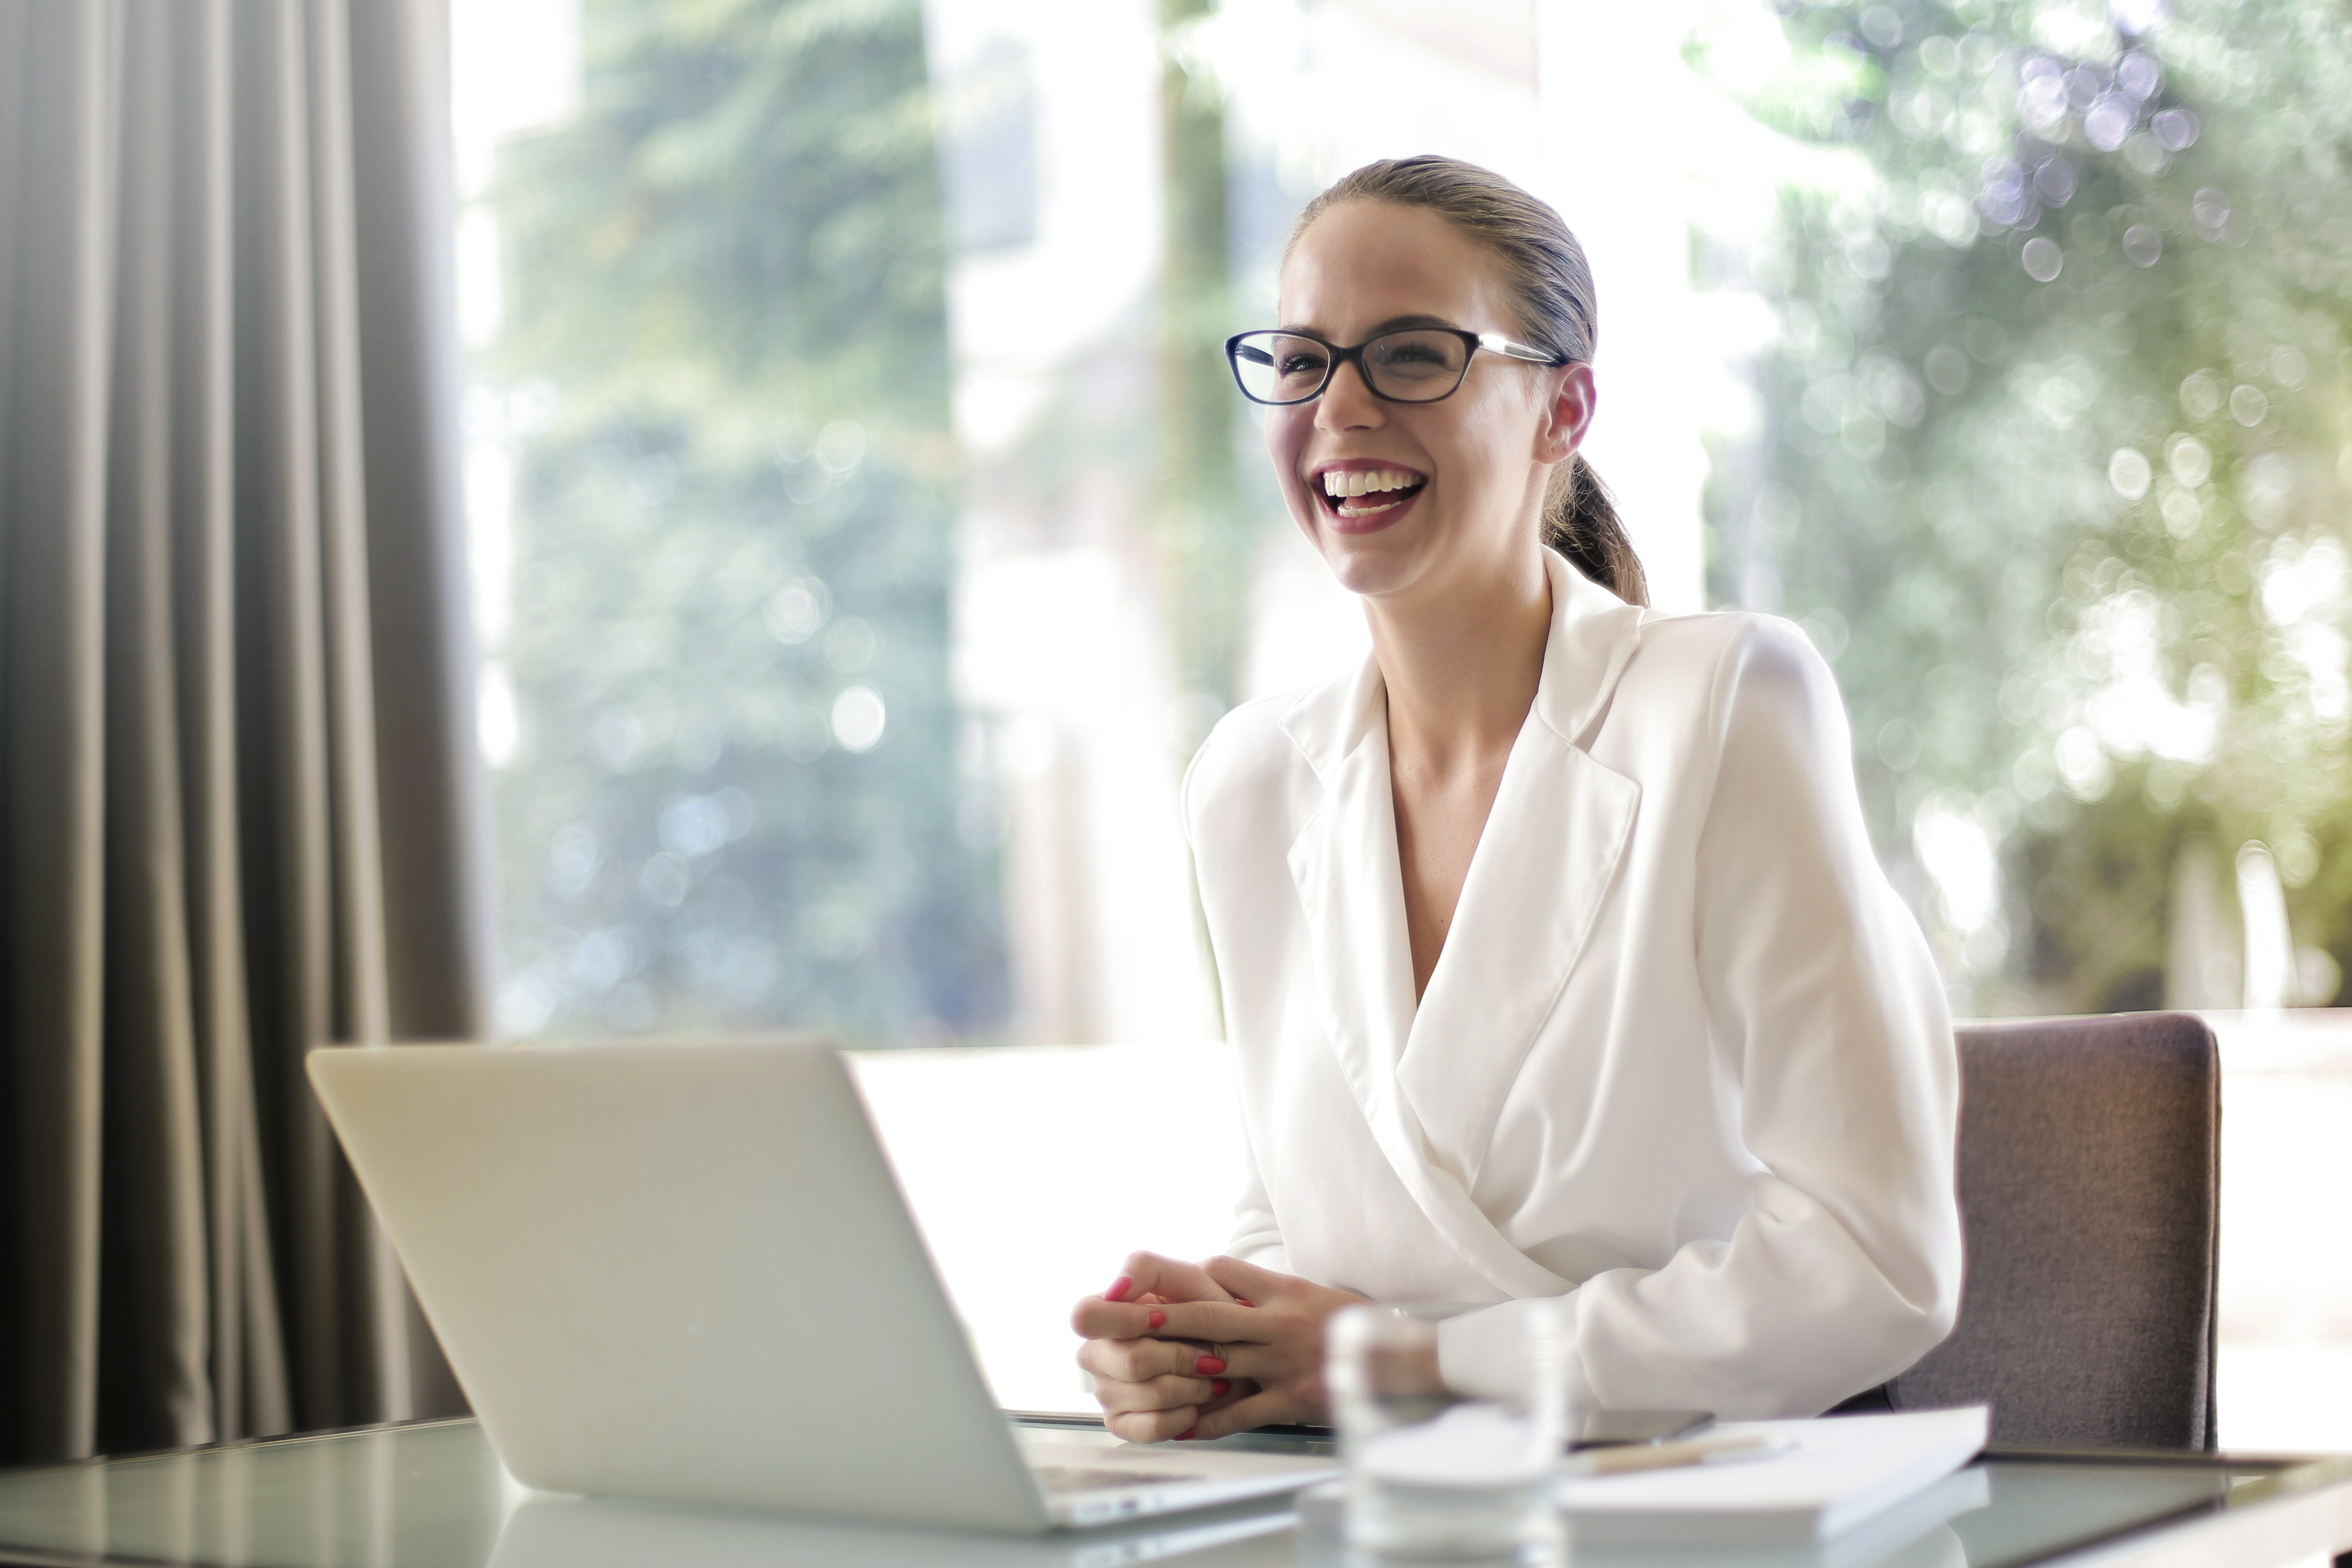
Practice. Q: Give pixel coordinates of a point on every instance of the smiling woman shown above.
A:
(1419, 357)
(1552, 946)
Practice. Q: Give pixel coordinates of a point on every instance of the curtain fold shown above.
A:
(56, 235)
(229, 558)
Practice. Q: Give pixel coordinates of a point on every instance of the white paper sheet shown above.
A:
(1838, 1472)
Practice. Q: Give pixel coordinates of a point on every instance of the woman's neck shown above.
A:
(1462, 665)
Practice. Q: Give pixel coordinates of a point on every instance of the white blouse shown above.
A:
(1684, 1059)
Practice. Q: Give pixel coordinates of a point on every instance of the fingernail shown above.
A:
(1188, 1431)
(1117, 1289)
(1210, 1365)
(1157, 1318)
(1220, 1388)
(1243, 1302)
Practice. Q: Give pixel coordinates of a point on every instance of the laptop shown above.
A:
(684, 1272)
(616, 1532)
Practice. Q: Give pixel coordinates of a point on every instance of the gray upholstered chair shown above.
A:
(2090, 1197)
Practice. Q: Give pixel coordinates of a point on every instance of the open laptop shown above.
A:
(543, 1531)
(685, 1272)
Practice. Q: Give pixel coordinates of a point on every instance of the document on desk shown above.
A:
(1835, 1473)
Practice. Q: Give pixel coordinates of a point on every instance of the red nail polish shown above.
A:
(1210, 1365)
(1220, 1388)
(1243, 1302)
(1157, 1318)
(1188, 1431)
(1117, 1289)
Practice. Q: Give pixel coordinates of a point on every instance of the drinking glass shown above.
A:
(1432, 1472)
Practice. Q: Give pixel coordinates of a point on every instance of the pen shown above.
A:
(1669, 1456)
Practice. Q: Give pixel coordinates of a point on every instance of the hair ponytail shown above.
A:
(1580, 522)
(1547, 271)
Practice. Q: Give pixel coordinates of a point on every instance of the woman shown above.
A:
(1551, 940)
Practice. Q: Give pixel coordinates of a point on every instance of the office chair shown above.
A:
(2090, 1198)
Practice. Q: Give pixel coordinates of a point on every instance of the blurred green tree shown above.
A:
(1203, 532)
(2053, 462)
(736, 795)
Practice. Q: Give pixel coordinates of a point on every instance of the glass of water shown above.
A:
(1433, 1473)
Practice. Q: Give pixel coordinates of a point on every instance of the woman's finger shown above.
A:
(1226, 1392)
(1214, 1322)
(1238, 1358)
(1245, 1279)
(1095, 1318)
(1157, 1393)
(1134, 1303)
(1170, 1279)
(1260, 1409)
(1152, 1426)
(1135, 1361)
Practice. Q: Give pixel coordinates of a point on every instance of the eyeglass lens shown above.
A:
(1407, 367)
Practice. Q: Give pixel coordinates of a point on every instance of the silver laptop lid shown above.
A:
(678, 1271)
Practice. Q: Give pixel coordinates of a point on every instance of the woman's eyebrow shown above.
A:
(1393, 324)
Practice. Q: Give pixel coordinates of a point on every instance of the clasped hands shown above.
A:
(1204, 1350)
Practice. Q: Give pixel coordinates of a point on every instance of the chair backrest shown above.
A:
(2090, 1197)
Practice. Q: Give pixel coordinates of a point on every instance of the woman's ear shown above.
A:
(1568, 414)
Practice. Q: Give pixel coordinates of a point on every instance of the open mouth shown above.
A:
(1368, 492)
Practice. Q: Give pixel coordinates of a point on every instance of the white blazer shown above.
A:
(1684, 1059)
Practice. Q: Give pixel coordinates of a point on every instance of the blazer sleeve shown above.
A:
(1826, 1008)
(1256, 1238)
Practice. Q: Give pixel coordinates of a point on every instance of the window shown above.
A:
(866, 533)
(735, 789)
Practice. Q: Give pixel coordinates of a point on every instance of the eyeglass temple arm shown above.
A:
(1494, 342)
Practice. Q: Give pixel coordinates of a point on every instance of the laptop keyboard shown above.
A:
(1081, 1478)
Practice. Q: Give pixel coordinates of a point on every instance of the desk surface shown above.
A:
(433, 1495)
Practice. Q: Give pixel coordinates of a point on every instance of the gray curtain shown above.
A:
(239, 818)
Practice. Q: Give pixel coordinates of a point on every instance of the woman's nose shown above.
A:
(1348, 404)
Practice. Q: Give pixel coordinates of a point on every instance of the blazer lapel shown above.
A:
(1344, 863)
(1560, 822)
(1559, 826)
(1549, 853)
(1351, 892)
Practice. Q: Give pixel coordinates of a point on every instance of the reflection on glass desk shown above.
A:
(432, 1495)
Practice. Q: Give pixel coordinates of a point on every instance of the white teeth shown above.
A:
(1347, 482)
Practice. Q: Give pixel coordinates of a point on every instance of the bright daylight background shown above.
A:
(866, 532)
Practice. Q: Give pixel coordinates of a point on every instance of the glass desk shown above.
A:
(432, 1495)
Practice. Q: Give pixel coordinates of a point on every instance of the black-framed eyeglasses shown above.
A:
(1421, 364)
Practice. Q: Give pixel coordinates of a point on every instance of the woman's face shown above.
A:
(1466, 475)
